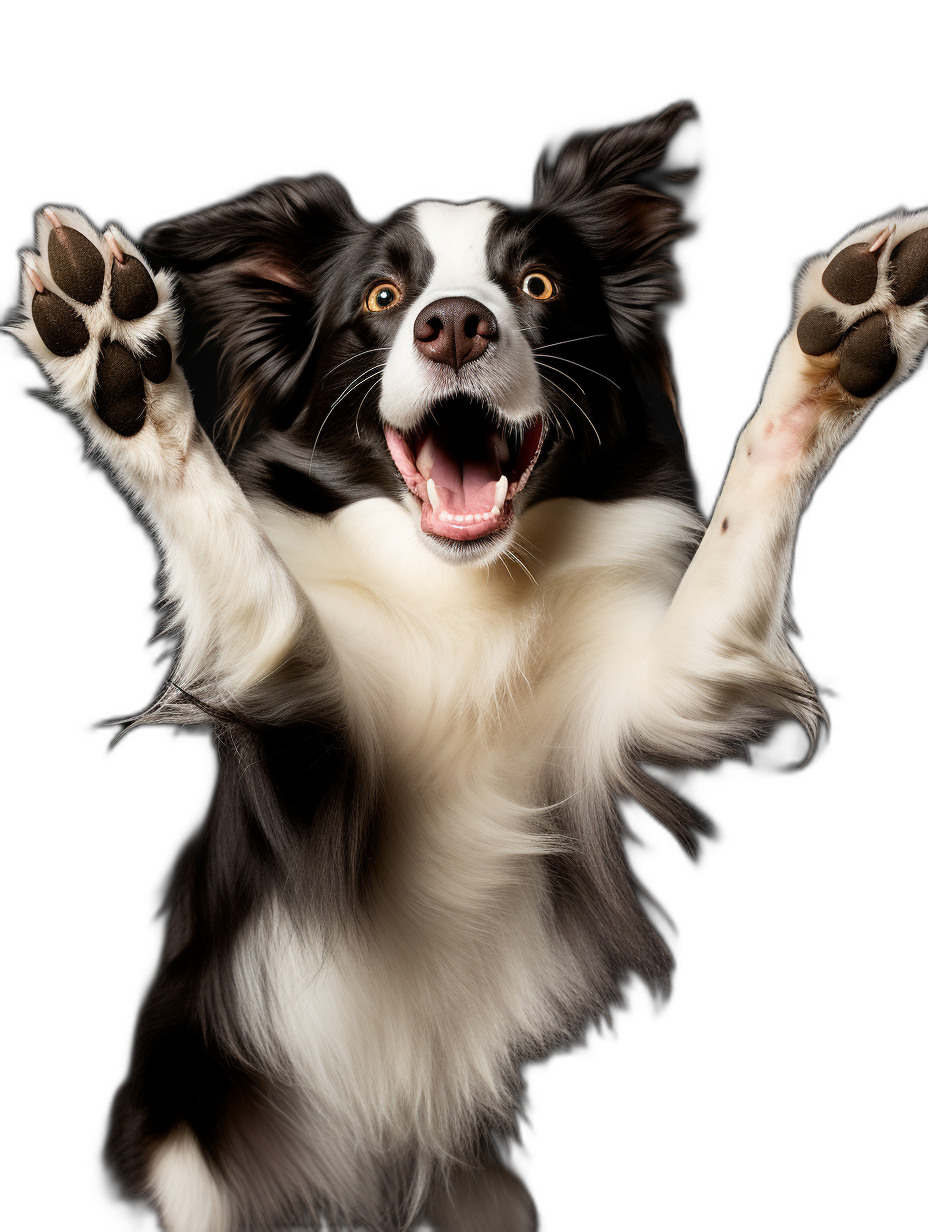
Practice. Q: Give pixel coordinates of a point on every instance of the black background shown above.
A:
(774, 1082)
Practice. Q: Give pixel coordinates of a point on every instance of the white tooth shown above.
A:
(502, 487)
(469, 518)
(494, 512)
(459, 518)
(444, 516)
(433, 495)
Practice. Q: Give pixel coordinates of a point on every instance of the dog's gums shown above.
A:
(465, 467)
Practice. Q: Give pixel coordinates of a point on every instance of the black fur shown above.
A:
(273, 341)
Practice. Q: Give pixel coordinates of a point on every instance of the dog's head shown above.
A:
(465, 359)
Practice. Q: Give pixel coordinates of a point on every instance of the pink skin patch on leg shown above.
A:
(780, 442)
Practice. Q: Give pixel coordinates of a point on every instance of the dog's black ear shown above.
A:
(608, 187)
(254, 272)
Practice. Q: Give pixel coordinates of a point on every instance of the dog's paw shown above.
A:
(104, 327)
(862, 310)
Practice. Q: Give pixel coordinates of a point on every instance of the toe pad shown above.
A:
(867, 359)
(819, 331)
(851, 274)
(76, 265)
(119, 392)
(59, 326)
(132, 292)
(910, 268)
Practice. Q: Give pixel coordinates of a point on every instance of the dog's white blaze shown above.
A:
(458, 236)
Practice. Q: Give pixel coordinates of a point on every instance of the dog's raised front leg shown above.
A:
(721, 667)
(105, 329)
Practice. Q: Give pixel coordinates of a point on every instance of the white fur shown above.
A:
(476, 689)
(188, 1196)
(457, 236)
(477, 686)
(238, 608)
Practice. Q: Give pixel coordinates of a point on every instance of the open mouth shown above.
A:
(465, 466)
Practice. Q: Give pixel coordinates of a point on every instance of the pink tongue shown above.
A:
(463, 489)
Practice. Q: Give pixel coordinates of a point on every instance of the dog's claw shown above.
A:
(52, 217)
(117, 252)
(881, 239)
(34, 276)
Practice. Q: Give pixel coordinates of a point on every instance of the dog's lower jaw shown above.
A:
(475, 551)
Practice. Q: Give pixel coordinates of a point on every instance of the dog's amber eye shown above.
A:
(384, 295)
(539, 286)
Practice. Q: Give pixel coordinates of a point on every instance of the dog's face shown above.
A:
(461, 399)
(462, 359)
(440, 319)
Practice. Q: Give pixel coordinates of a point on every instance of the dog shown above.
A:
(441, 588)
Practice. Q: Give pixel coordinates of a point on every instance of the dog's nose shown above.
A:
(454, 331)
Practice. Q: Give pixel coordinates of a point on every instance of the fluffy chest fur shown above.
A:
(475, 675)
(481, 695)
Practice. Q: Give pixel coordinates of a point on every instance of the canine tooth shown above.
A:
(432, 494)
(502, 487)
(494, 512)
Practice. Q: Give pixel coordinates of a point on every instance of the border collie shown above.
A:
(440, 586)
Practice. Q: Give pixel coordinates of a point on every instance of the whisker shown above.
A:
(371, 372)
(523, 547)
(350, 358)
(542, 364)
(523, 567)
(564, 360)
(376, 369)
(576, 404)
(357, 416)
(582, 338)
(557, 421)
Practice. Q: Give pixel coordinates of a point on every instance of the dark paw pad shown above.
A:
(132, 292)
(59, 326)
(819, 331)
(119, 392)
(866, 356)
(76, 265)
(909, 267)
(157, 363)
(850, 275)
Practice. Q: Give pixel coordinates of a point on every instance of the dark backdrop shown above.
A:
(773, 1082)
